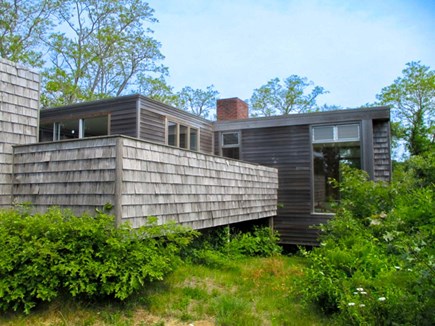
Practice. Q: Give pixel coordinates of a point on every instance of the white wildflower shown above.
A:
(355, 292)
(382, 299)
(363, 292)
(351, 304)
(362, 305)
(397, 267)
(359, 289)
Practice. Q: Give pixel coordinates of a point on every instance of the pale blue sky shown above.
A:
(352, 48)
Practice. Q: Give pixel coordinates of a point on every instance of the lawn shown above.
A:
(246, 291)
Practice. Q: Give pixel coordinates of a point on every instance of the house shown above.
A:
(307, 149)
(148, 158)
(144, 158)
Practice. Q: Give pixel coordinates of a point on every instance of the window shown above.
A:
(193, 144)
(182, 136)
(231, 145)
(332, 147)
(79, 128)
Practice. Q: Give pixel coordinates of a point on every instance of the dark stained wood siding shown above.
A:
(381, 150)
(284, 142)
(122, 110)
(152, 126)
(205, 127)
(289, 150)
(206, 140)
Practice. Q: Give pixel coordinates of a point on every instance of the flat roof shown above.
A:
(376, 113)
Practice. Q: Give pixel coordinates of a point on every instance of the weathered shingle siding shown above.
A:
(78, 174)
(192, 188)
(19, 105)
(381, 150)
(142, 179)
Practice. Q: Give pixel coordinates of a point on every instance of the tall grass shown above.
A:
(255, 291)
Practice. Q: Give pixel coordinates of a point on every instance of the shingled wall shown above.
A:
(143, 179)
(19, 105)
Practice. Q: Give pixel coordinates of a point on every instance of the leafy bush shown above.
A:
(262, 241)
(374, 265)
(218, 248)
(44, 254)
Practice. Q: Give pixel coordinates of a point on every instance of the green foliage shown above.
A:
(23, 24)
(375, 262)
(219, 247)
(104, 49)
(290, 96)
(197, 101)
(45, 254)
(412, 97)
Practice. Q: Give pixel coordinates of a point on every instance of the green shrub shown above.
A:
(44, 254)
(262, 241)
(374, 265)
(217, 248)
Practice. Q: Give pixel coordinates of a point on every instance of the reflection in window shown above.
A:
(331, 148)
(231, 145)
(70, 129)
(172, 133)
(98, 126)
(182, 136)
(193, 139)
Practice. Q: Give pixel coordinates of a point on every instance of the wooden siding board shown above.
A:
(381, 150)
(287, 148)
(152, 126)
(205, 127)
(122, 110)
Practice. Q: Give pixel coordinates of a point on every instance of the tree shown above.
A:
(412, 97)
(23, 25)
(102, 51)
(282, 98)
(197, 101)
(157, 89)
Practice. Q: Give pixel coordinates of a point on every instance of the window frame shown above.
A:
(238, 145)
(230, 145)
(335, 140)
(178, 124)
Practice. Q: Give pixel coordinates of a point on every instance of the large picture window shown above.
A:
(332, 147)
(78, 128)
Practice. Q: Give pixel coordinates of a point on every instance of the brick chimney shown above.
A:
(231, 109)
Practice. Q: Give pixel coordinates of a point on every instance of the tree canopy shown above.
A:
(102, 49)
(23, 27)
(412, 97)
(294, 94)
(197, 101)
